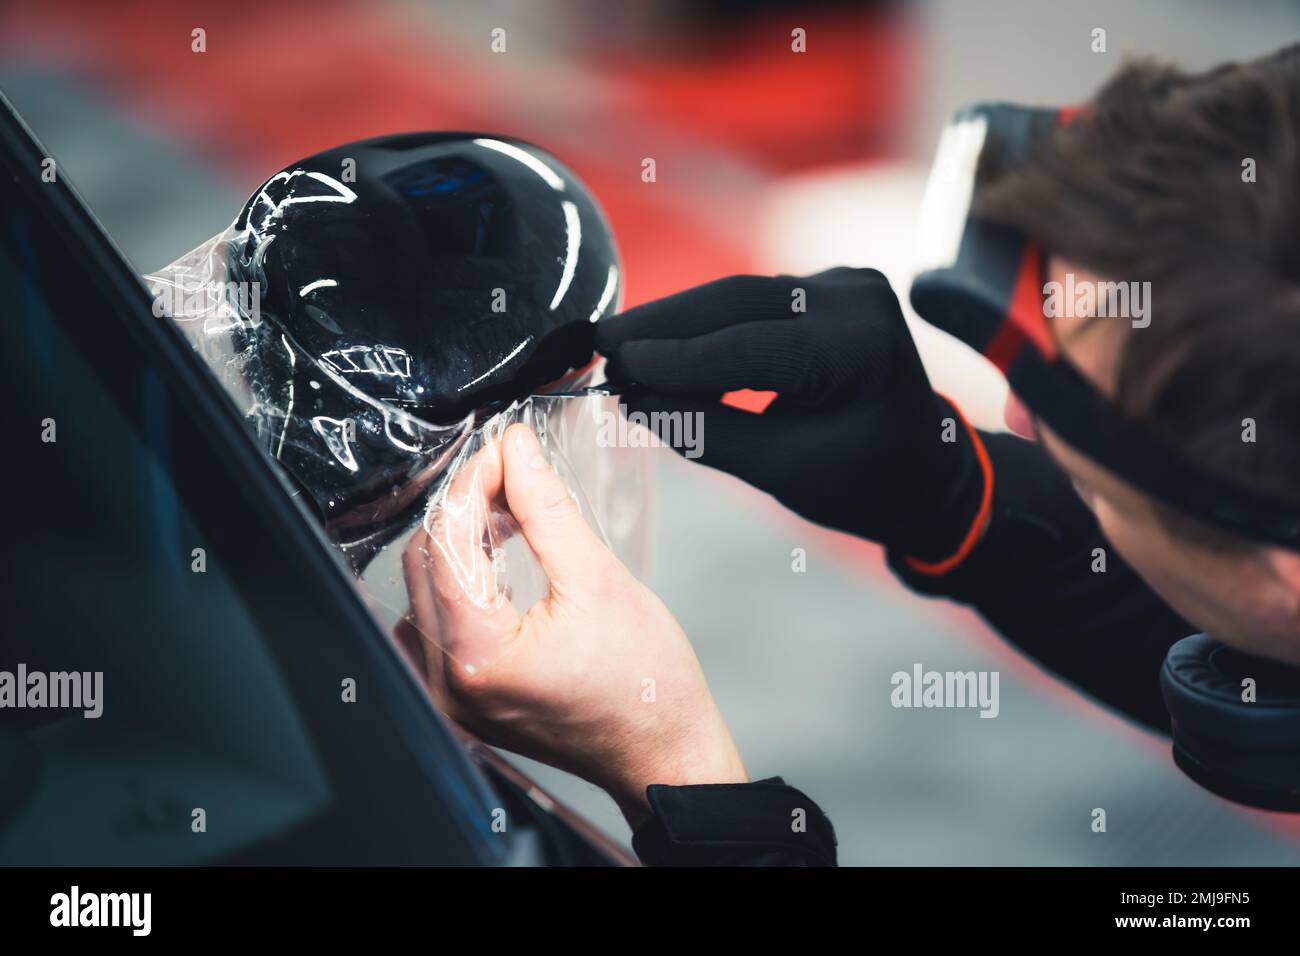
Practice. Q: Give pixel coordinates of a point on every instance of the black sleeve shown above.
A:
(1032, 577)
(764, 823)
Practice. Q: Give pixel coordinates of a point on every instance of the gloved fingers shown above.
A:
(729, 439)
(773, 355)
(802, 361)
(700, 310)
(850, 275)
(737, 300)
(848, 337)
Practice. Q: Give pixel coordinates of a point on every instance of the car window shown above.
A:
(178, 682)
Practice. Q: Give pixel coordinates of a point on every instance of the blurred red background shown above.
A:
(720, 101)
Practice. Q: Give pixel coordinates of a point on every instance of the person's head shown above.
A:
(1185, 191)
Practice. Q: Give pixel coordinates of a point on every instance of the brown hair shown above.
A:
(1150, 184)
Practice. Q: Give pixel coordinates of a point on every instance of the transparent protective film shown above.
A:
(469, 549)
(363, 464)
(381, 479)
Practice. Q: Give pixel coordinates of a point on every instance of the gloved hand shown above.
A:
(855, 439)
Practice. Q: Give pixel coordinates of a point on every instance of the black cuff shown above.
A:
(950, 502)
(1034, 510)
(764, 823)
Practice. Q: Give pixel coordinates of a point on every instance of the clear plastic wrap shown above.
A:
(470, 538)
(419, 461)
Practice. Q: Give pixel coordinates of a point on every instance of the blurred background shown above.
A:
(767, 161)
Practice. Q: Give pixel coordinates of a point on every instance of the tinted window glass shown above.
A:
(179, 652)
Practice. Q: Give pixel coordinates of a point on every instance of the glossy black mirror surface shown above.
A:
(405, 283)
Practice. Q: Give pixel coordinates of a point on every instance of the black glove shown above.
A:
(855, 439)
